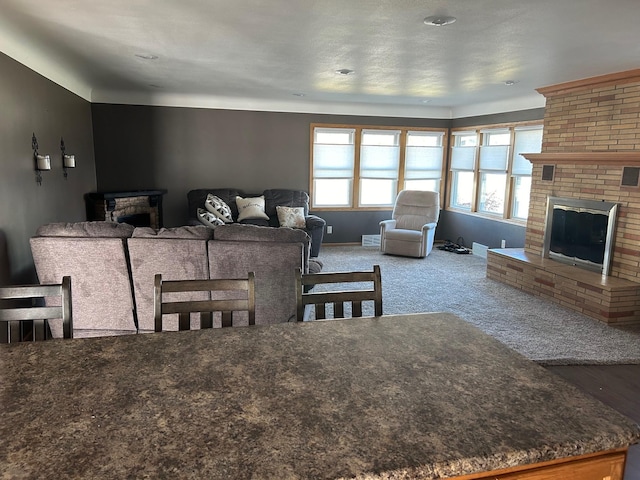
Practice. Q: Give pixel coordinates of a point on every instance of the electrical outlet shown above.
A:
(329, 229)
(503, 244)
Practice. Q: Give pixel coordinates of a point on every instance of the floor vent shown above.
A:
(370, 240)
(479, 249)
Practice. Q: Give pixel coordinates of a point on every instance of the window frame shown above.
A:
(483, 132)
(443, 133)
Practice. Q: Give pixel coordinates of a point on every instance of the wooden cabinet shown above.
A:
(599, 466)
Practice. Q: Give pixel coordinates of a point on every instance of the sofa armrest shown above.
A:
(315, 229)
(429, 226)
(387, 225)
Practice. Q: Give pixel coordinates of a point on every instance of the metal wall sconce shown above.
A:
(43, 162)
(68, 161)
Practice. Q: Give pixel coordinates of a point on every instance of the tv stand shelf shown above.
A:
(609, 299)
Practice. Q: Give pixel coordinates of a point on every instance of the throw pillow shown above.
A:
(208, 218)
(292, 217)
(251, 208)
(219, 208)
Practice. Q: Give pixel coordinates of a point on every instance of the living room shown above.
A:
(122, 145)
(150, 140)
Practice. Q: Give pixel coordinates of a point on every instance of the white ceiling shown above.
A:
(259, 54)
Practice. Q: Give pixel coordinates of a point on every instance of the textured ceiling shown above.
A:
(263, 54)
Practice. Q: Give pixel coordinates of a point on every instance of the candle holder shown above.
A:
(42, 162)
(68, 161)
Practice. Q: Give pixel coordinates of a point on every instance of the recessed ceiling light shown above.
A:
(298, 94)
(146, 56)
(439, 20)
(511, 82)
(426, 101)
(345, 71)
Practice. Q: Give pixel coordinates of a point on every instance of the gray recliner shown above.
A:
(411, 230)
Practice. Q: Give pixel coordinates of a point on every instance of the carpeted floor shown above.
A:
(446, 282)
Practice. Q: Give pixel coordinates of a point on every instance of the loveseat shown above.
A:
(273, 198)
(112, 266)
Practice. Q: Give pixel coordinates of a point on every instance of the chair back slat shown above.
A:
(204, 307)
(339, 298)
(12, 315)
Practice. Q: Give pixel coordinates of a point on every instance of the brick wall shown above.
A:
(596, 118)
(600, 117)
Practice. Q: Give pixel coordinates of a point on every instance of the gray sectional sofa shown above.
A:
(273, 198)
(112, 266)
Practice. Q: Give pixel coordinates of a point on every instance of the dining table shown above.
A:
(415, 396)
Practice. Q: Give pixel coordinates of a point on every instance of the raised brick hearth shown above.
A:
(591, 133)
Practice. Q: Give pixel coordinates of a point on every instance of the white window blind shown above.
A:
(527, 140)
(494, 158)
(463, 158)
(380, 154)
(423, 156)
(333, 153)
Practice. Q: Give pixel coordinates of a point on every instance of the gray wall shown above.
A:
(32, 104)
(142, 147)
(139, 147)
(180, 149)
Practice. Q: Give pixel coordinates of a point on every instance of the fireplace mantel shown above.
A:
(609, 158)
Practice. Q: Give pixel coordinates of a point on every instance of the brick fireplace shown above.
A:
(591, 151)
(140, 208)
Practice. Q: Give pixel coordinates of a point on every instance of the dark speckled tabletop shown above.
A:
(405, 396)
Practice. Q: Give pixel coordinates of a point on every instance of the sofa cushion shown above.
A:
(196, 232)
(208, 219)
(86, 229)
(256, 233)
(249, 208)
(273, 263)
(286, 198)
(292, 217)
(219, 208)
(197, 197)
(175, 258)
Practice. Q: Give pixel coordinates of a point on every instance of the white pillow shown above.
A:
(292, 217)
(251, 208)
(219, 208)
(208, 218)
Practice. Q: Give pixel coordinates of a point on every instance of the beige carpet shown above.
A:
(537, 328)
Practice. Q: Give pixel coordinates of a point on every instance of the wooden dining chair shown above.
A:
(338, 298)
(14, 310)
(206, 308)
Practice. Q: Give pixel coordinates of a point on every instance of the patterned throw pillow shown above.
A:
(219, 208)
(251, 208)
(292, 217)
(208, 218)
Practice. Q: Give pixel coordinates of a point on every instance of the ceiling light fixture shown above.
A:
(298, 94)
(508, 83)
(345, 71)
(146, 56)
(439, 20)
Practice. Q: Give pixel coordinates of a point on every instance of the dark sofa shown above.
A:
(273, 198)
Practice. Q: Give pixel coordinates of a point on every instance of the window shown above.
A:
(379, 164)
(494, 156)
(365, 167)
(463, 159)
(333, 161)
(423, 161)
(527, 140)
(488, 173)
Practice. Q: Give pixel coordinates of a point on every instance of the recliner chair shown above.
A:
(411, 231)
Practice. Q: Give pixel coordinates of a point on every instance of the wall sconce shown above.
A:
(43, 162)
(68, 161)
